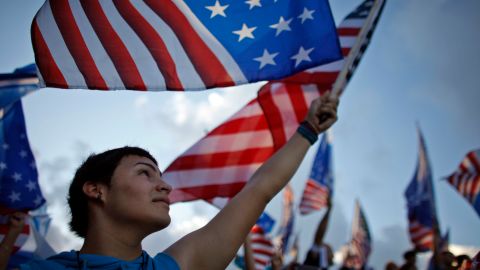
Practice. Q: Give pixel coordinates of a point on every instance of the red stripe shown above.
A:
(324, 78)
(4, 229)
(345, 51)
(263, 252)
(251, 123)
(474, 160)
(206, 63)
(114, 46)
(63, 16)
(221, 159)
(153, 41)
(474, 182)
(206, 192)
(348, 31)
(272, 113)
(295, 93)
(51, 74)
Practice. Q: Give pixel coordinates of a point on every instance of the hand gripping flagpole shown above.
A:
(353, 56)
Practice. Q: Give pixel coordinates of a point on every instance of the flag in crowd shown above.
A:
(262, 247)
(181, 44)
(219, 164)
(361, 244)
(288, 220)
(420, 202)
(266, 222)
(319, 186)
(466, 179)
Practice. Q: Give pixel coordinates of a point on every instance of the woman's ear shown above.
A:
(93, 190)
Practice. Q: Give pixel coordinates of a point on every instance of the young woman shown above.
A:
(118, 197)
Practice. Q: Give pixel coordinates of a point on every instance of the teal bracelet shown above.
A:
(306, 131)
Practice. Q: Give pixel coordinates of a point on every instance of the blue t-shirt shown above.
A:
(73, 260)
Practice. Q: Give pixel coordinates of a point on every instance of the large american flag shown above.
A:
(361, 244)
(179, 44)
(466, 180)
(420, 202)
(220, 164)
(19, 189)
(319, 187)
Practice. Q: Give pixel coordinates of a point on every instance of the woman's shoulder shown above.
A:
(165, 261)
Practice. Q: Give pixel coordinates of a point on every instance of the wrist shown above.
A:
(308, 132)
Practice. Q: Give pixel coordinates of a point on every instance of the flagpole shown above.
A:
(342, 78)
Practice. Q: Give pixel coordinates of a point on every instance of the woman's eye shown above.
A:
(145, 172)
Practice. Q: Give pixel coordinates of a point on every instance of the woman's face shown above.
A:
(138, 196)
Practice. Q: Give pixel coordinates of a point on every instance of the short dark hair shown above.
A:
(97, 168)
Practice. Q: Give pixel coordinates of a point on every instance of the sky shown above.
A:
(421, 68)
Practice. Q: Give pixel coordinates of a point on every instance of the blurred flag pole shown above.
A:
(355, 53)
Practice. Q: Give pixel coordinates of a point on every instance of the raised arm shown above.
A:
(322, 226)
(214, 245)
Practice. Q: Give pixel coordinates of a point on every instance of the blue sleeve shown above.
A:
(166, 262)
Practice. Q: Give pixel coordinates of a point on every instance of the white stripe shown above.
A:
(231, 142)
(210, 176)
(250, 110)
(310, 93)
(282, 100)
(58, 49)
(103, 62)
(144, 61)
(184, 67)
(25, 81)
(215, 46)
(347, 42)
(330, 67)
(352, 23)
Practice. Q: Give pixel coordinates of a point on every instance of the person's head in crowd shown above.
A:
(391, 266)
(319, 256)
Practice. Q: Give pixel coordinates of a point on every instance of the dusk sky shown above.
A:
(421, 68)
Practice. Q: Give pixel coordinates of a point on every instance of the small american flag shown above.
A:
(319, 187)
(219, 165)
(180, 44)
(466, 180)
(262, 247)
(421, 202)
(361, 244)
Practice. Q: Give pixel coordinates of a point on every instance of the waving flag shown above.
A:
(466, 180)
(421, 202)
(361, 245)
(319, 187)
(180, 44)
(219, 165)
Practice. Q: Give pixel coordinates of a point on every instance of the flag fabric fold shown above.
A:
(180, 44)
(421, 202)
(319, 186)
(466, 179)
(219, 164)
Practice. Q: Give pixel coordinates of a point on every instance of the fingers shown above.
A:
(17, 219)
